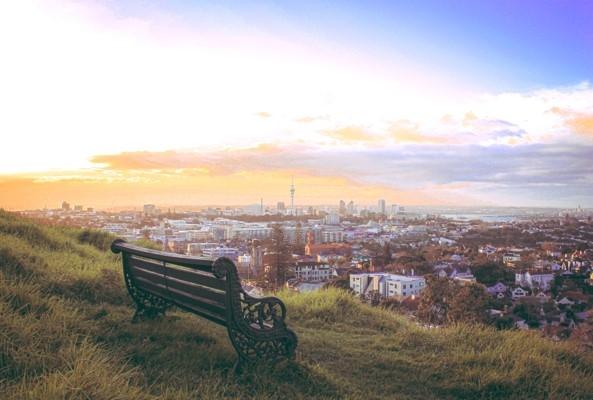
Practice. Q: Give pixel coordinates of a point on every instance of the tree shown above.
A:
(445, 300)
(504, 323)
(556, 285)
(281, 258)
(470, 304)
(299, 247)
(490, 273)
(436, 300)
(342, 282)
(530, 312)
(387, 253)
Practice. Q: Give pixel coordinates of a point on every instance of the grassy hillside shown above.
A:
(65, 333)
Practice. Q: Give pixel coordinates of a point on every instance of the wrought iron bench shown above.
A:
(209, 288)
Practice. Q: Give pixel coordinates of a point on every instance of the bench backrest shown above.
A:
(187, 282)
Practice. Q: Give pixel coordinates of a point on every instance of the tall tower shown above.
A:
(292, 190)
(381, 207)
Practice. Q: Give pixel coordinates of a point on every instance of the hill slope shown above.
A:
(65, 332)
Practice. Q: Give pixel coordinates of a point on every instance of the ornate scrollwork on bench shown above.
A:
(148, 306)
(266, 313)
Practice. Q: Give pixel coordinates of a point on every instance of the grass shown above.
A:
(65, 333)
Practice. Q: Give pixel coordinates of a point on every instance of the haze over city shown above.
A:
(113, 104)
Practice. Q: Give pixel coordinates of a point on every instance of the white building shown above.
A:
(221, 251)
(313, 272)
(488, 250)
(387, 285)
(202, 234)
(332, 219)
(150, 210)
(381, 206)
(332, 235)
(510, 259)
(539, 281)
(499, 287)
(394, 210)
(517, 293)
(249, 231)
(244, 261)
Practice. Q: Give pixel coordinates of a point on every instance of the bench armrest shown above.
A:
(264, 313)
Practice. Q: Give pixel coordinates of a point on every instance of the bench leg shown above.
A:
(144, 313)
(148, 306)
(269, 349)
(239, 366)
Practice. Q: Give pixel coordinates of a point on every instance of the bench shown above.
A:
(212, 289)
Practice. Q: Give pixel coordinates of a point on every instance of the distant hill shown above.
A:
(65, 333)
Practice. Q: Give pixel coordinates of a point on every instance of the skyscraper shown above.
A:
(350, 208)
(394, 209)
(292, 190)
(342, 209)
(280, 207)
(382, 207)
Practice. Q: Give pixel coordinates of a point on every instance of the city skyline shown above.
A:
(460, 103)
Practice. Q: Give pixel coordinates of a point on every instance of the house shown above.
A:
(456, 258)
(495, 313)
(540, 281)
(328, 249)
(554, 253)
(386, 285)
(488, 250)
(565, 302)
(461, 276)
(252, 290)
(313, 271)
(510, 259)
(522, 325)
(555, 267)
(518, 292)
(542, 297)
(445, 241)
(496, 289)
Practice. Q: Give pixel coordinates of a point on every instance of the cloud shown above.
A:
(578, 122)
(219, 162)
(309, 119)
(530, 173)
(351, 134)
(408, 132)
(263, 114)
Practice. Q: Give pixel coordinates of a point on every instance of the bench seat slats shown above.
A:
(214, 317)
(197, 291)
(201, 278)
(180, 293)
(205, 292)
(150, 266)
(206, 308)
(148, 274)
(151, 286)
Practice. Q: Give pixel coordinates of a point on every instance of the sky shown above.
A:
(121, 103)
